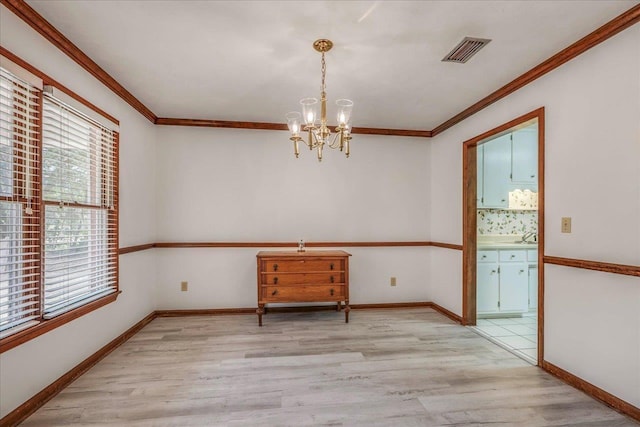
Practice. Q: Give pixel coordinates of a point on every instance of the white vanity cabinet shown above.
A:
(502, 278)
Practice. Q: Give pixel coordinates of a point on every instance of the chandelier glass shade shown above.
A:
(314, 125)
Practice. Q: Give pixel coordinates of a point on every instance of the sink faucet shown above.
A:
(528, 235)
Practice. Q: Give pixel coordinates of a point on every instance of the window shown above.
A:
(78, 176)
(58, 206)
(19, 204)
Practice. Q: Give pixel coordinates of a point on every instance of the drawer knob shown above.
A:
(275, 267)
(332, 280)
(274, 292)
(331, 266)
(331, 292)
(513, 256)
(484, 256)
(275, 280)
(493, 272)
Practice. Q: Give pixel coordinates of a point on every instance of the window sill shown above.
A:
(48, 325)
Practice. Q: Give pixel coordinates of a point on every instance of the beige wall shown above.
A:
(30, 367)
(592, 159)
(247, 186)
(241, 185)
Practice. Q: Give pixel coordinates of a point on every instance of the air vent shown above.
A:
(468, 47)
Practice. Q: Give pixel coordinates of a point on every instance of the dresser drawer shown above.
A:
(303, 293)
(301, 278)
(298, 265)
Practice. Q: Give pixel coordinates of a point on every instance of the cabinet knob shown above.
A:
(533, 176)
(331, 279)
(275, 267)
(484, 256)
(275, 280)
(521, 271)
(331, 292)
(274, 292)
(493, 272)
(503, 200)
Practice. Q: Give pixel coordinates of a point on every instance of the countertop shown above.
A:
(504, 242)
(506, 245)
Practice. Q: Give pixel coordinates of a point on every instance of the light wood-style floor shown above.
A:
(385, 368)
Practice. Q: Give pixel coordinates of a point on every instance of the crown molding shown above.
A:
(48, 31)
(392, 132)
(608, 30)
(167, 121)
(42, 26)
(47, 80)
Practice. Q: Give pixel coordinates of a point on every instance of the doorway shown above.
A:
(503, 222)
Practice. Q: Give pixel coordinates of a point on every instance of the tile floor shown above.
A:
(516, 334)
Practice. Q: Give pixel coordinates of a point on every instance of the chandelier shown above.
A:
(319, 134)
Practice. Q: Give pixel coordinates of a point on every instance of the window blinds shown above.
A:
(58, 203)
(19, 204)
(79, 193)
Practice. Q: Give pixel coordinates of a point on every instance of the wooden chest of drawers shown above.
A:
(311, 276)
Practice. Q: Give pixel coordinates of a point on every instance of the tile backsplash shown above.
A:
(501, 221)
(523, 199)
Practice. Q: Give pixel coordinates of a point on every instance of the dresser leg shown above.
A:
(339, 307)
(260, 312)
(347, 309)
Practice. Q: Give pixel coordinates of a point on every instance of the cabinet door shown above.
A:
(514, 286)
(487, 289)
(524, 162)
(496, 171)
(533, 288)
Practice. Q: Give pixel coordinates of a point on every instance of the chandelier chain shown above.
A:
(324, 70)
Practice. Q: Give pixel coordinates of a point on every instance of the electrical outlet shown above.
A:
(566, 224)
(184, 286)
(393, 281)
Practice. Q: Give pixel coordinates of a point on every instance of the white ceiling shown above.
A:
(254, 61)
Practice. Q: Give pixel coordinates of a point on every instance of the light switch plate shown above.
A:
(184, 286)
(566, 224)
(393, 281)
